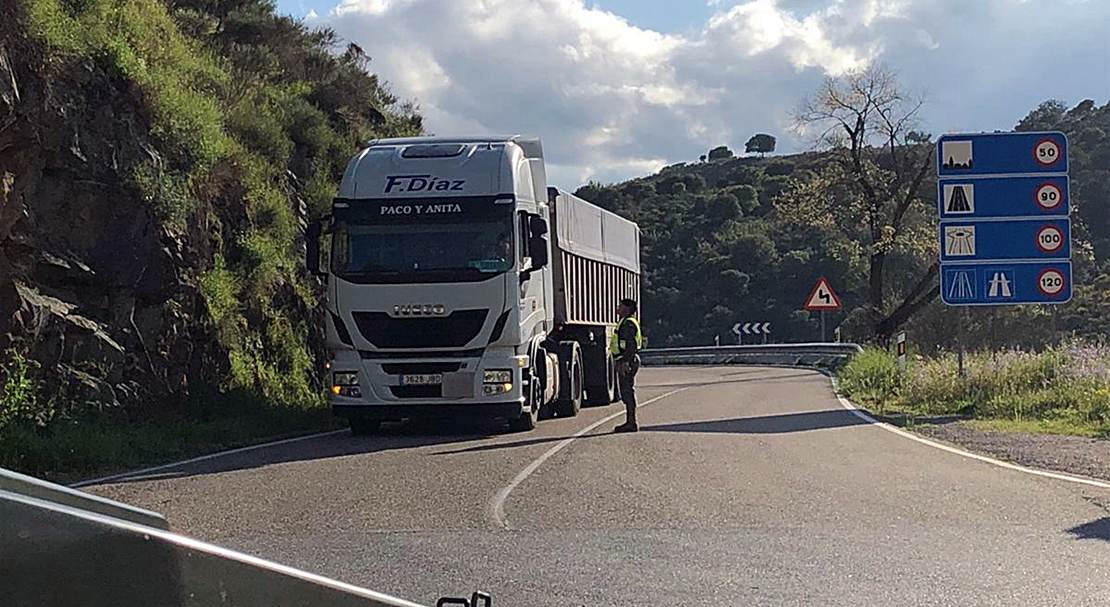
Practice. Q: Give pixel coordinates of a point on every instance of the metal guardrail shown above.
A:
(29, 486)
(63, 547)
(820, 355)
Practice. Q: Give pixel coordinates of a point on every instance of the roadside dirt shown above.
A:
(1068, 454)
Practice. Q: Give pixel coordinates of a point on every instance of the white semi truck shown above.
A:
(460, 284)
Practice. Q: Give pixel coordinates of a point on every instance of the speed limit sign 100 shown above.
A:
(1050, 239)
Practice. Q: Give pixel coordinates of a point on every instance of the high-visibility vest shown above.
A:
(617, 345)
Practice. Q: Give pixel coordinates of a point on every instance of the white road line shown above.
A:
(202, 458)
(497, 503)
(847, 404)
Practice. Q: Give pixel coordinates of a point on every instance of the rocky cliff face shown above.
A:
(157, 162)
(92, 285)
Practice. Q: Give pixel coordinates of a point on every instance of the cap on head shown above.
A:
(630, 304)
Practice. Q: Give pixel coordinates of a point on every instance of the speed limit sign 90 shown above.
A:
(1047, 152)
(1049, 196)
(1051, 282)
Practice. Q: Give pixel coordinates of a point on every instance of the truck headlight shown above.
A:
(491, 389)
(349, 391)
(345, 378)
(497, 376)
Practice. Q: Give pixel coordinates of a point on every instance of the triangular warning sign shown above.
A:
(823, 297)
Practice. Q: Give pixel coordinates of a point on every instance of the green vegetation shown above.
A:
(761, 143)
(246, 119)
(1063, 390)
(745, 239)
(221, 126)
(18, 396)
(71, 449)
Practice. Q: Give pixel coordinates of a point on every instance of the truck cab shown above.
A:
(440, 291)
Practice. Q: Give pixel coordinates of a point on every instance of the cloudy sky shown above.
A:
(619, 88)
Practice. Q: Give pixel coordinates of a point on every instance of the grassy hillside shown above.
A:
(745, 238)
(159, 161)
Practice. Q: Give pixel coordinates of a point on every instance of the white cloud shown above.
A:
(612, 100)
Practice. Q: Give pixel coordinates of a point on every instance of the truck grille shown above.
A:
(452, 331)
(406, 368)
(433, 391)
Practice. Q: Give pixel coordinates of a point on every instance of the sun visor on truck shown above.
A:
(592, 232)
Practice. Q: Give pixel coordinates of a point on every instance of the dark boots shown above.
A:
(630, 419)
(628, 395)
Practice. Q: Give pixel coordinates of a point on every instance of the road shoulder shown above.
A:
(1075, 455)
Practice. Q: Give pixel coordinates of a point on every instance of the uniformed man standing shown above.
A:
(627, 341)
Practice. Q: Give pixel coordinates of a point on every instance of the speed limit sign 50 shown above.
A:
(1047, 152)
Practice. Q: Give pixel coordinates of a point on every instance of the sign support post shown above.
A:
(963, 325)
(822, 299)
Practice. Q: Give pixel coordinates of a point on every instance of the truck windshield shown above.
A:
(436, 252)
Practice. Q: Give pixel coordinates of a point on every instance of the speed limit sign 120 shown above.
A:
(1052, 282)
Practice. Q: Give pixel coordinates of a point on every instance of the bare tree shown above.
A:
(867, 118)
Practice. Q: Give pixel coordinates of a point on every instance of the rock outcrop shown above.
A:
(92, 285)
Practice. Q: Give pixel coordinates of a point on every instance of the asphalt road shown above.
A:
(745, 487)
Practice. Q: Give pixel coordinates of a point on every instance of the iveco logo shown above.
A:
(420, 310)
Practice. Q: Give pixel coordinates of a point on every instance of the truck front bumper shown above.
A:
(381, 394)
(439, 411)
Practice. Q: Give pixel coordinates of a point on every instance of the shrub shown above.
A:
(18, 394)
(1067, 387)
(779, 168)
(933, 387)
(871, 377)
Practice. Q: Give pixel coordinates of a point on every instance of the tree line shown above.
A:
(744, 239)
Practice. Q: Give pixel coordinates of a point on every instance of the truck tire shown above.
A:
(364, 427)
(527, 420)
(572, 377)
(601, 377)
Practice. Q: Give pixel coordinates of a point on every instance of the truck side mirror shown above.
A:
(312, 247)
(537, 245)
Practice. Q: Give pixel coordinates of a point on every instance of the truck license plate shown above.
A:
(423, 379)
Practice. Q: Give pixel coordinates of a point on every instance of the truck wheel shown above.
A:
(364, 427)
(601, 391)
(572, 377)
(527, 421)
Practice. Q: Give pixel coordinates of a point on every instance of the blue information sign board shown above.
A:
(1015, 239)
(1002, 154)
(964, 284)
(1003, 197)
(1004, 233)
